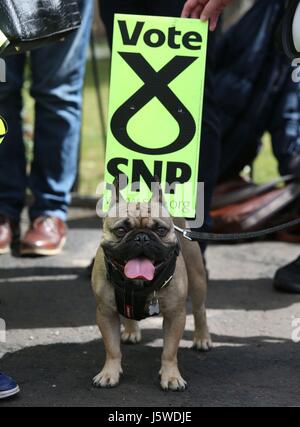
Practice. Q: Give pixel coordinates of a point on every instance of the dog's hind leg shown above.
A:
(132, 333)
(198, 292)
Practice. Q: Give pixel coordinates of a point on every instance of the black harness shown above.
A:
(132, 297)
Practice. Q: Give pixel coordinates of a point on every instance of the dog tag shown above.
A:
(154, 308)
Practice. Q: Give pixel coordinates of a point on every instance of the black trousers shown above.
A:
(210, 144)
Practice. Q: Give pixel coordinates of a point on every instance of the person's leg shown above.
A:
(12, 150)
(285, 129)
(209, 166)
(58, 75)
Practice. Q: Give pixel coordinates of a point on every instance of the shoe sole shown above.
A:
(10, 393)
(43, 252)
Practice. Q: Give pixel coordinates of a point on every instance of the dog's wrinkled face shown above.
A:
(139, 241)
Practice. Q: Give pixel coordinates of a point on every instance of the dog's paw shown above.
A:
(108, 378)
(171, 380)
(204, 344)
(131, 337)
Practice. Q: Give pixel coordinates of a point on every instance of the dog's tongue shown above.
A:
(140, 268)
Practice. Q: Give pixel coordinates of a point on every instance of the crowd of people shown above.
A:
(57, 87)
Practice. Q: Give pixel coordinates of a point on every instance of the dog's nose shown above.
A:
(142, 238)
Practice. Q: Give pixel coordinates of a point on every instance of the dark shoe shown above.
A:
(8, 387)
(9, 232)
(45, 237)
(287, 279)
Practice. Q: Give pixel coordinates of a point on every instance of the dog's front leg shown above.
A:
(174, 324)
(109, 325)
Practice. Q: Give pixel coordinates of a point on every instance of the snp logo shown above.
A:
(296, 72)
(296, 331)
(2, 331)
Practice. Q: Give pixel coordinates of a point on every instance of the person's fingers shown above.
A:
(205, 10)
(214, 22)
(213, 9)
(197, 12)
(190, 6)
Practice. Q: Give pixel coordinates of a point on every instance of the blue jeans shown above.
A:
(57, 83)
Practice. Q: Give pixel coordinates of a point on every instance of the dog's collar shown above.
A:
(132, 299)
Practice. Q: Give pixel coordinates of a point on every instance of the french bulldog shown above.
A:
(140, 250)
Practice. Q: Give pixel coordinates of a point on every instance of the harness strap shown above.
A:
(132, 297)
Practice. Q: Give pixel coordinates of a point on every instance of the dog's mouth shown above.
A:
(140, 269)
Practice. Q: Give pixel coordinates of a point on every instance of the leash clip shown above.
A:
(185, 234)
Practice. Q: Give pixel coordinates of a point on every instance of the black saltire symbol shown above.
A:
(156, 85)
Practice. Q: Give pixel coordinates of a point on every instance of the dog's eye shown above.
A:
(120, 232)
(162, 231)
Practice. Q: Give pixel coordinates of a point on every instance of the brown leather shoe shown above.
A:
(45, 237)
(9, 233)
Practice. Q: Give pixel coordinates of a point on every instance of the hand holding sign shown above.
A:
(205, 10)
(3, 129)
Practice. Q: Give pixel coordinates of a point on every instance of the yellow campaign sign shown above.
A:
(3, 129)
(155, 112)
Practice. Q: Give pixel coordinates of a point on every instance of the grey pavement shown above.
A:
(54, 349)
